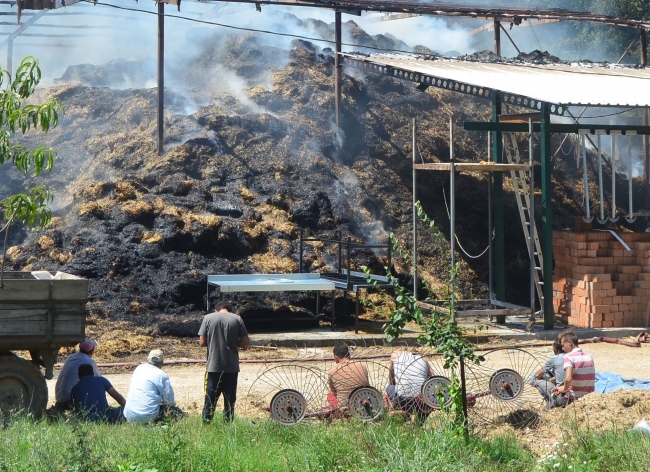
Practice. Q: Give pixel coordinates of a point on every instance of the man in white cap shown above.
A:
(69, 375)
(151, 396)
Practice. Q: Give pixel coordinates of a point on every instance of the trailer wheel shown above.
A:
(23, 389)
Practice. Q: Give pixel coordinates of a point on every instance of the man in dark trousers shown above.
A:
(222, 332)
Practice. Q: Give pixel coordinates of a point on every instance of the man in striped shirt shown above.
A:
(579, 369)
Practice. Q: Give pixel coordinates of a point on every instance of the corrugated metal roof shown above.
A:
(561, 85)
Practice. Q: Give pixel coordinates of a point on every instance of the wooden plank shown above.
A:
(30, 290)
(472, 167)
(41, 313)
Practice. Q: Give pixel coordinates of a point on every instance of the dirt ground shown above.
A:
(261, 376)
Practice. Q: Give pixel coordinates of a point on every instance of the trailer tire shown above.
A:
(23, 389)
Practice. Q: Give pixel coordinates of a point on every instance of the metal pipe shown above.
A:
(601, 190)
(340, 242)
(628, 48)
(415, 216)
(161, 74)
(613, 218)
(585, 180)
(463, 394)
(337, 66)
(348, 264)
(630, 217)
(452, 217)
(531, 227)
(490, 228)
(300, 254)
(356, 312)
(511, 40)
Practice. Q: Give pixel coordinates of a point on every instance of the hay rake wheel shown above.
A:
(499, 392)
(435, 389)
(366, 403)
(288, 407)
(290, 392)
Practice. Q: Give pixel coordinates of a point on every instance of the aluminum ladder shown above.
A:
(520, 185)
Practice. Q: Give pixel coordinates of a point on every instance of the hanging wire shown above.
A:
(456, 236)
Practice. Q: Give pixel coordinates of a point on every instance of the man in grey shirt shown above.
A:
(551, 375)
(223, 333)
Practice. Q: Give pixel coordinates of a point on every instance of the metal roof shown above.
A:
(525, 85)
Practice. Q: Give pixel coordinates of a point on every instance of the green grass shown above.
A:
(341, 446)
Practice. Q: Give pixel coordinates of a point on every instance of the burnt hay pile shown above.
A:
(241, 174)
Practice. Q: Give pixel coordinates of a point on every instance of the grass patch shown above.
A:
(389, 445)
(266, 446)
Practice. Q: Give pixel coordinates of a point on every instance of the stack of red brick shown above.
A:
(597, 283)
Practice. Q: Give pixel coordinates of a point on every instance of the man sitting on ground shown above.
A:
(345, 377)
(88, 397)
(407, 374)
(69, 375)
(579, 370)
(151, 397)
(551, 375)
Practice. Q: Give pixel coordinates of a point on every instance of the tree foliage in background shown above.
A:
(438, 330)
(31, 208)
(574, 40)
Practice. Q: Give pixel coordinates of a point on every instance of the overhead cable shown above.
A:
(241, 28)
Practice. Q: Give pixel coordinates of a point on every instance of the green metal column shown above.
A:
(547, 216)
(497, 211)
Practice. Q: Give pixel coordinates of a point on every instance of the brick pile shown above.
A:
(597, 283)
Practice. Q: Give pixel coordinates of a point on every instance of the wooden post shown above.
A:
(497, 37)
(161, 74)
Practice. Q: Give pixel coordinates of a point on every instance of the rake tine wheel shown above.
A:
(502, 393)
(291, 390)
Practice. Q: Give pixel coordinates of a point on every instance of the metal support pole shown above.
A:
(415, 217)
(513, 43)
(452, 213)
(10, 56)
(613, 218)
(161, 73)
(333, 307)
(628, 48)
(356, 312)
(601, 190)
(531, 227)
(490, 229)
(349, 263)
(497, 37)
(300, 254)
(337, 67)
(499, 226)
(463, 394)
(340, 256)
(547, 217)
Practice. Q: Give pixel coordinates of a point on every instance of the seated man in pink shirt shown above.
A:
(579, 369)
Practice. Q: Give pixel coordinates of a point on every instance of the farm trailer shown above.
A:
(40, 312)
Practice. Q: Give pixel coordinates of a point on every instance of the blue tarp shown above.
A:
(608, 382)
